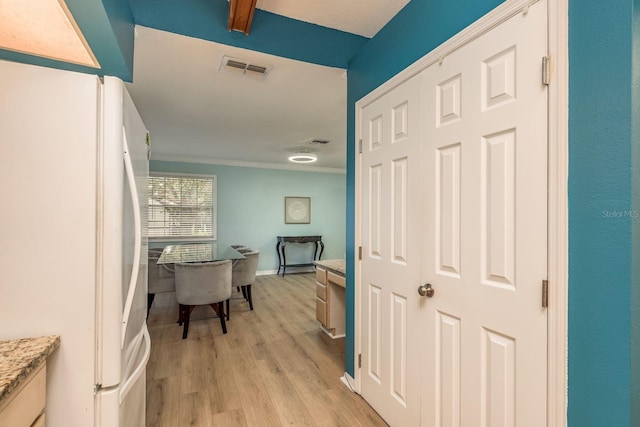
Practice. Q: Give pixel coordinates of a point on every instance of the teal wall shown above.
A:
(121, 35)
(416, 30)
(601, 213)
(251, 208)
(635, 261)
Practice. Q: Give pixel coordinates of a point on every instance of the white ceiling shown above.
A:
(196, 113)
(362, 17)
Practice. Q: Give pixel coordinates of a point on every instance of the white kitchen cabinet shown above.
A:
(25, 406)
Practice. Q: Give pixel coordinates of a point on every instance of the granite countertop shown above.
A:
(18, 358)
(337, 266)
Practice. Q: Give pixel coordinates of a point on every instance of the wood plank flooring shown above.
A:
(274, 367)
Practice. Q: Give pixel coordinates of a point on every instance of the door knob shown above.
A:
(426, 290)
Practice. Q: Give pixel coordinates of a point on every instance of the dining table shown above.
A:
(198, 252)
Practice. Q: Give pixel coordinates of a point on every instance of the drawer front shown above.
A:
(321, 291)
(336, 279)
(321, 275)
(321, 311)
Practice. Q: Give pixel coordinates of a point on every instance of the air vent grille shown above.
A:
(236, 64)
(315, 141)
(245, 68)
(257, 69)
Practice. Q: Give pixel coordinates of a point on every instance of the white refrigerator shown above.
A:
(73, 197)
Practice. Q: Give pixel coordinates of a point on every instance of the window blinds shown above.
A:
(181, 207)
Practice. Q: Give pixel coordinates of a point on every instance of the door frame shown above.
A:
(558, 90)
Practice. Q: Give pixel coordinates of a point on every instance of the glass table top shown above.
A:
(198, 252)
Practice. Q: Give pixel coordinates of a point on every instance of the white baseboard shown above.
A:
(290, 270)
(328, 332)
(348, 381)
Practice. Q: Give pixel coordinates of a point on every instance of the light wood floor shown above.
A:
(274, 367)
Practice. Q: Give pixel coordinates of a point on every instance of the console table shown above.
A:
(282, 258)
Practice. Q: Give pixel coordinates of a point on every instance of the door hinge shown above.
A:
(360, 360)
(545, 70)
(360, 146)
(545, 293)
(359, 253)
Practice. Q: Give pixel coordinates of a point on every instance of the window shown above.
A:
(182, 207)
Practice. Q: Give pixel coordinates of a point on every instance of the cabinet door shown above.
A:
(321, 275)
(336, 304)
(321, 311)
(335, 279)
(321, 291)
(28, 402)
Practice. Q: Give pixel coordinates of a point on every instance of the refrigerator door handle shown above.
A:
(140, 369)
(137, 239)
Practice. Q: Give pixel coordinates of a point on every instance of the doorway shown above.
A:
(465, 210)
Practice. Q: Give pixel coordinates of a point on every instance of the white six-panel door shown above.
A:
(391, 255)
(472, 221)
(485, 230)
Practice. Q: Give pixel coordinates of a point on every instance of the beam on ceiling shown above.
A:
(241, 15)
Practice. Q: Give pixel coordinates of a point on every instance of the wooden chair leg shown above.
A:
(180, 314)
(222, 316)
(249, 297)
(186, 314)
(244, 291)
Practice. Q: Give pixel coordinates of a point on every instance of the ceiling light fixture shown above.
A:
(303, 157)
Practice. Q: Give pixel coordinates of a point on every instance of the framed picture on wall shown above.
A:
(297, 210)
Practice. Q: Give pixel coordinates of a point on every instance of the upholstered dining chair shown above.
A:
(206, 283)
(243, 250)
(243, 274)
(161, 278)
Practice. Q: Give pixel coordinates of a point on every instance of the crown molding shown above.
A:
(243, 164)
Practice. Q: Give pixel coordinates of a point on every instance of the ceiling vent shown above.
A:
(315, 141)
(242, 67)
